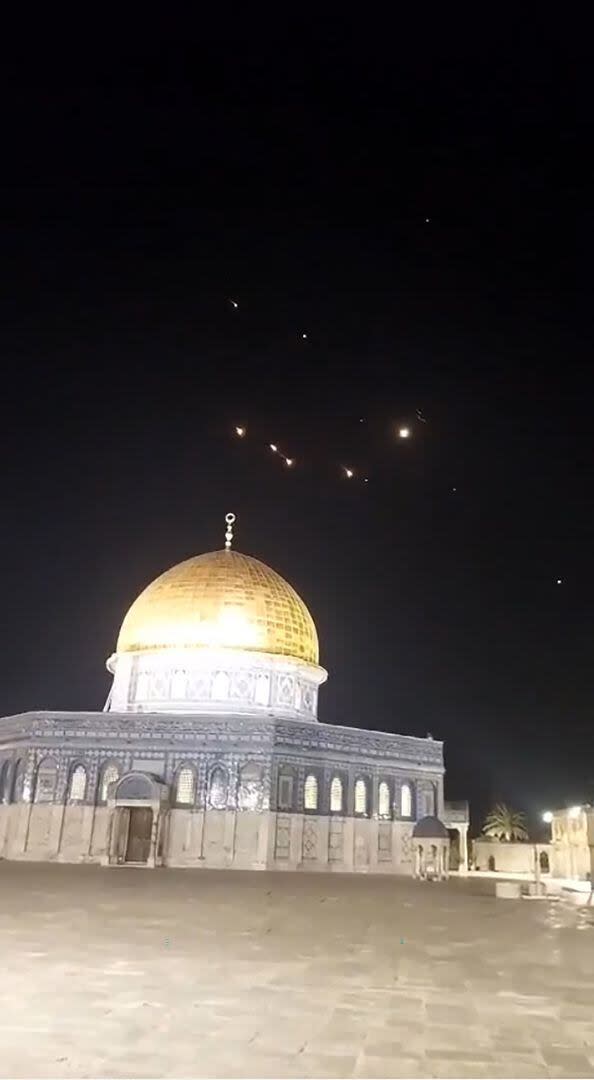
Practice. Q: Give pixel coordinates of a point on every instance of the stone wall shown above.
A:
(509, 858)
(53, 831)
(224, 839)
(248, 824)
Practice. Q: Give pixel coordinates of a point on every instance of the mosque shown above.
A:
(209, 752)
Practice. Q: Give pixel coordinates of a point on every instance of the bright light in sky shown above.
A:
(349, 472)
(240, 431)
(404, 432)
(290, 461)
(274, 448)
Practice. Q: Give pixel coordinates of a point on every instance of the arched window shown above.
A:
(109, 776)
(383, 802)
(218, 788)
(18, 782)
(286, 783)
(544, 862)
(310, 794)
(262, 689)
(179, 682)
(360, 797)
(142, 686)
(78, 784)
(406, 801)
(429, 800)
(336, 795)
(185, 788)
(220, 686)
(4, 785)
(249, 796)
(47, 778)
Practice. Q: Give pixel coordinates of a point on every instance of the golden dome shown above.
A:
(221, 600)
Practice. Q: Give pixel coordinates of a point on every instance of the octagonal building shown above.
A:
(209, 752)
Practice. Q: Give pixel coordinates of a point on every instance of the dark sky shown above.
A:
(144, 184)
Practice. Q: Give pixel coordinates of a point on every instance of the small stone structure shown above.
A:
(431, 849)
(508, 890)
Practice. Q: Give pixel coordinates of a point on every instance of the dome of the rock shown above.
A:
(220, 631)
(222, 599)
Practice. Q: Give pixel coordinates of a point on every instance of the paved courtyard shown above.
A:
(132, 973)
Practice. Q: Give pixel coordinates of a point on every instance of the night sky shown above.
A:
(144, 187)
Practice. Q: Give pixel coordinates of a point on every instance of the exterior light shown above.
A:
(349, 473)
(289, 461)
(547, 817)
(273, 448)
(404, 432)
(240, 431)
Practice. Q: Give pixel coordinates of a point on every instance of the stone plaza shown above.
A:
(186, 973)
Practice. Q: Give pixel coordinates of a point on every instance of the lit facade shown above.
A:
(572, 843)
(209, 751)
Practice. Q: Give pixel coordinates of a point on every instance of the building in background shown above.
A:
(572, 842)
(209, 752)
(510, 856)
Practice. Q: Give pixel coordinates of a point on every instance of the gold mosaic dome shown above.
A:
(221, 600)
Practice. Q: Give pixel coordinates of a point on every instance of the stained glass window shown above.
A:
(217, 789)
(262, 689)
(360, 797)
(250, 786)
(186, 787)
(336, 795)
(384, 800)
(109, 776)
(78, 784)
(310, 798)
(285, 791)
(47, 777)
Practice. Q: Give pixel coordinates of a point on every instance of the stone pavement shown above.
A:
(183, 973)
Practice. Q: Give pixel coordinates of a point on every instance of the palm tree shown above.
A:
(503, 823)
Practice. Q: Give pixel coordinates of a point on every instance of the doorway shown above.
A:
(454, 855)
(139, 834)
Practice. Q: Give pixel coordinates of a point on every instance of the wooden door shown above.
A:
(139, 834)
